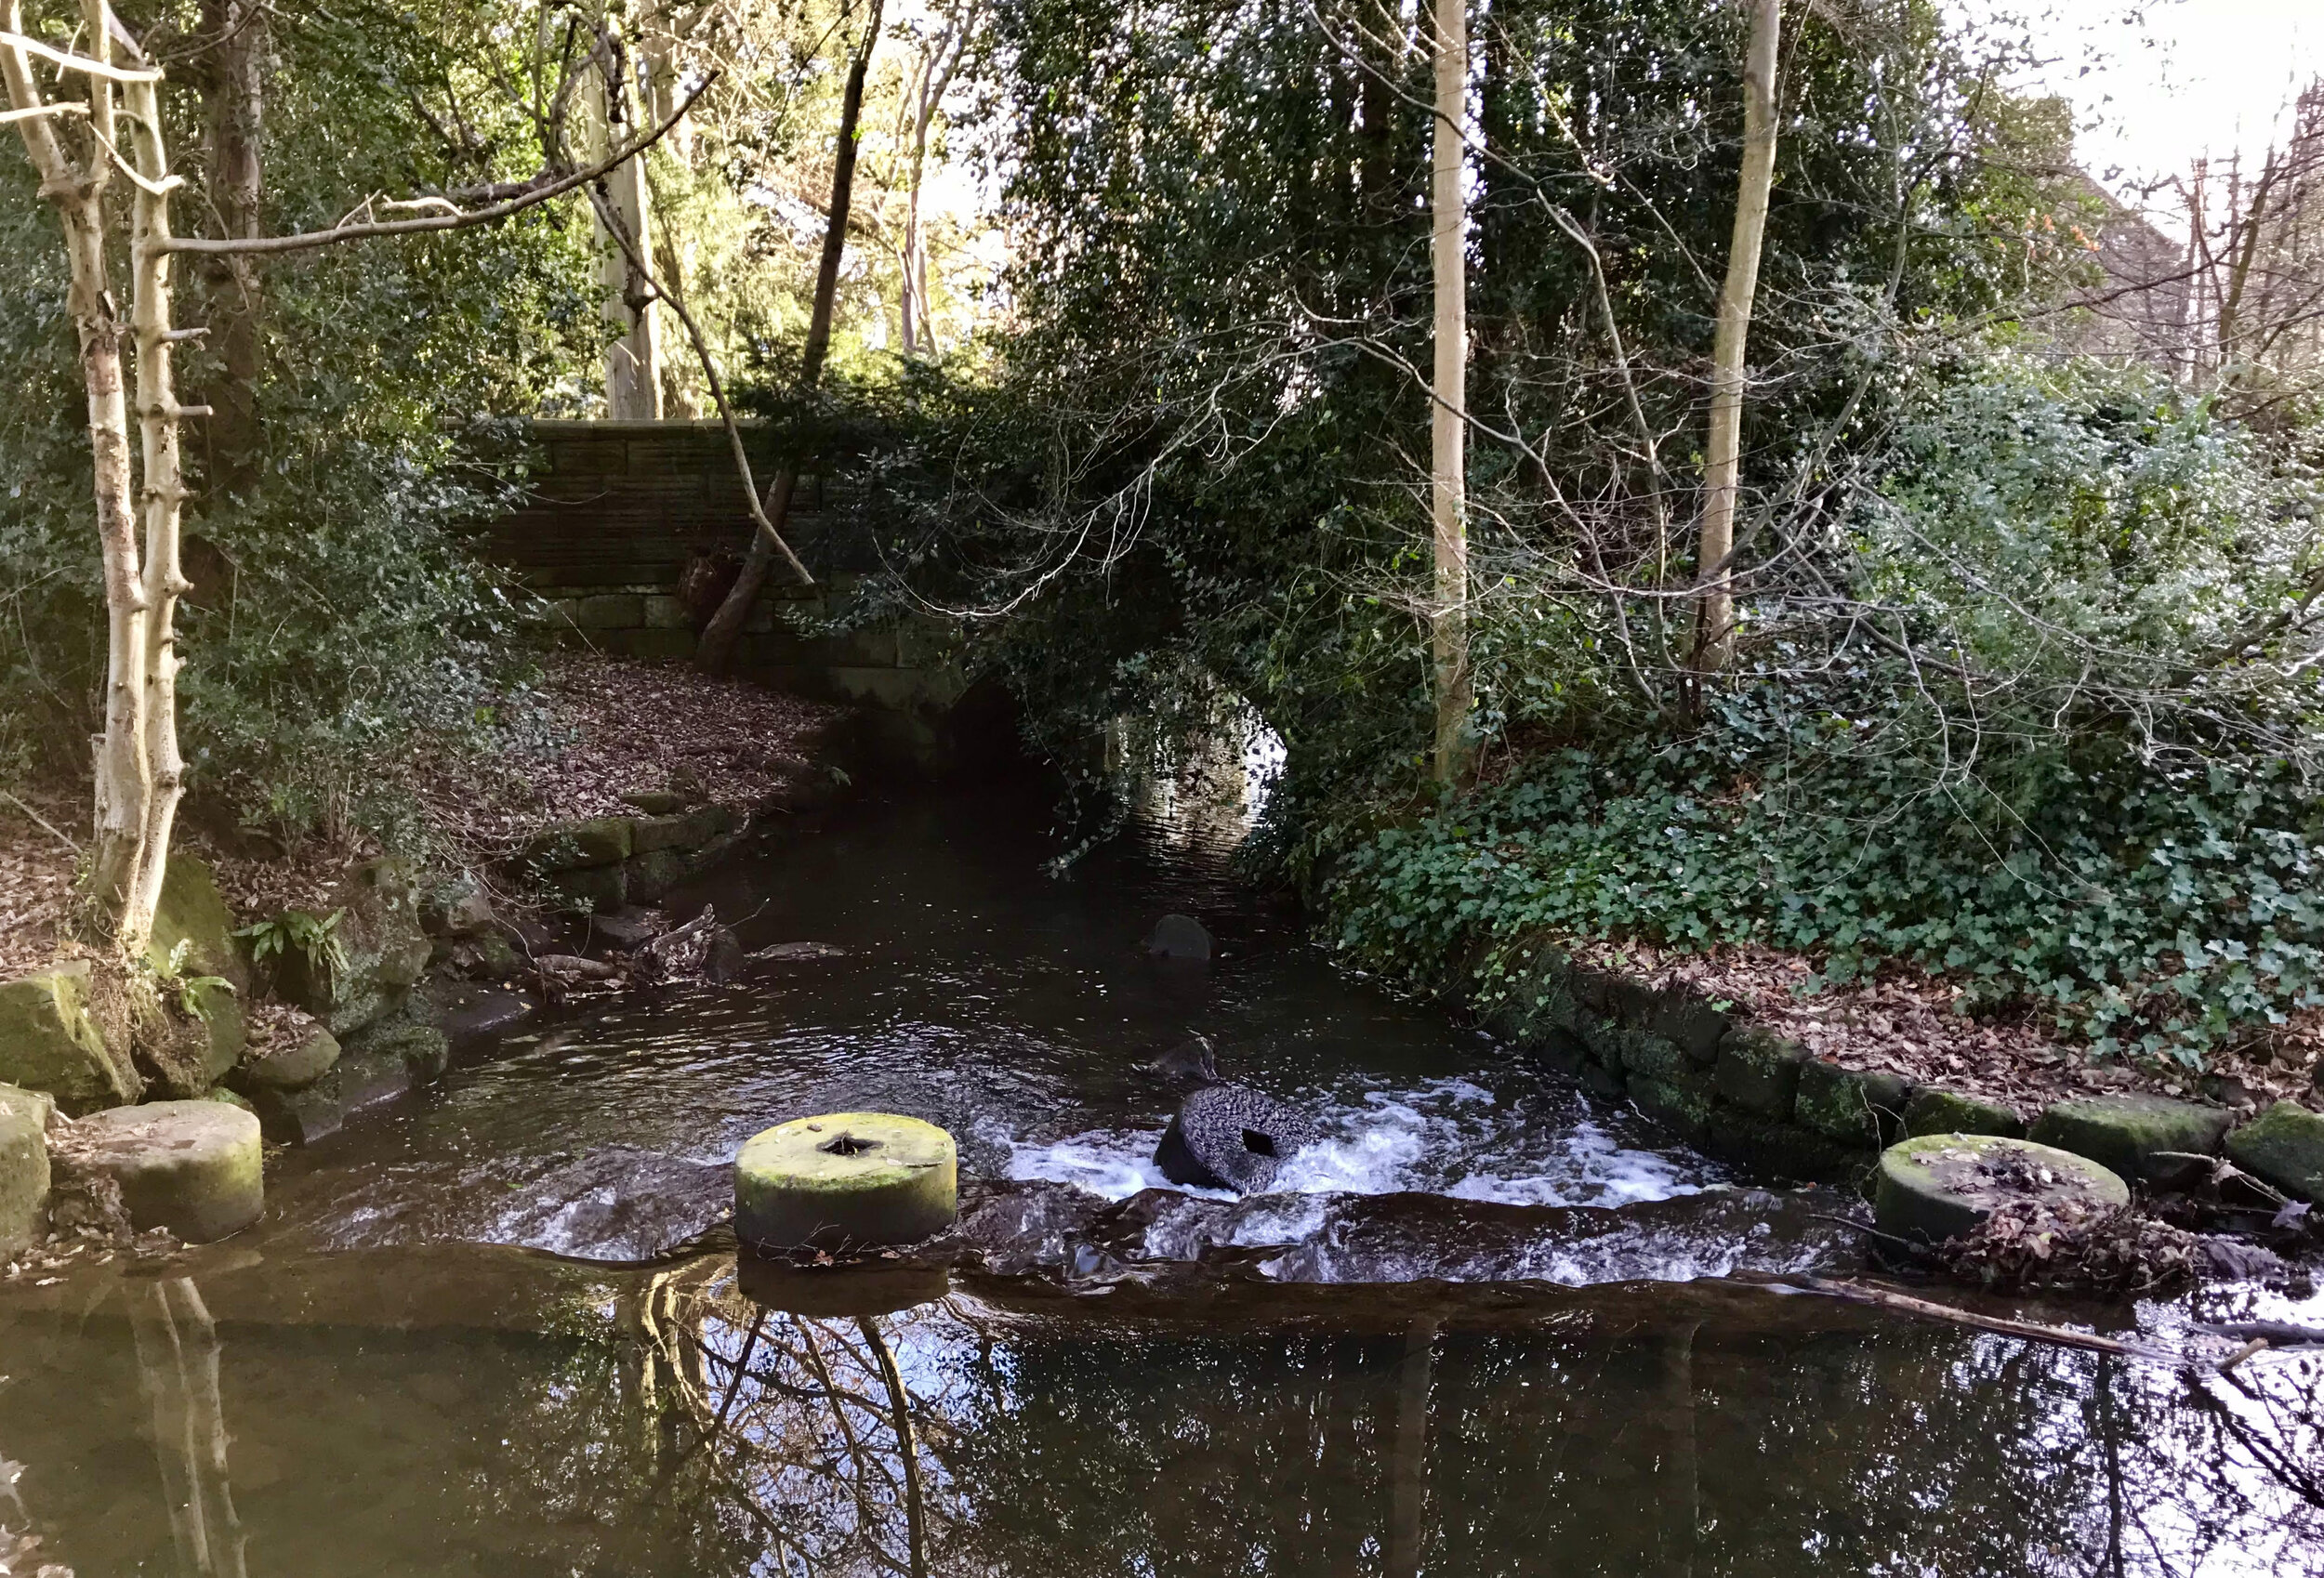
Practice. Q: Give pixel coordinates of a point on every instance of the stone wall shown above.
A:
(616, 510)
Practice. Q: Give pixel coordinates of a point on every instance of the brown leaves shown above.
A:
(2028, 1245)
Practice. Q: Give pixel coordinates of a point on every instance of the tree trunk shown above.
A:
(1715, 636)
(164, 497)
(717, 648)
(77, 190)
(234, 92)
(1449, 504)
(633, 362)
(943, 59)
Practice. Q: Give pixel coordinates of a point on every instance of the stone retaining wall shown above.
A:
(1743, 1094)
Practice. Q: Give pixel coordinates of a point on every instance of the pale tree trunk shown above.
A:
(716, 647)
(1448, 502)
(77, 189)
(164, 497)
(633, 362)
(1715, 636)
(944, 59)
(235, 93)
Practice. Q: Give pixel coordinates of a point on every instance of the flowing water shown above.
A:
(1483, 1326)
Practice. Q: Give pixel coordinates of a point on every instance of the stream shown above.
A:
(1485, 1325)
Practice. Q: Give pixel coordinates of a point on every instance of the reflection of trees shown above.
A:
(176, 1346)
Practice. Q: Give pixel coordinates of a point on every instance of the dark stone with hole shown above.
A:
(1178, 938)
(1228, 1137)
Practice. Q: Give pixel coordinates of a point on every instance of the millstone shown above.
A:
(1940, 1186)
(1227, 1137)
(848, 1180)
(1179, 937)
(832, 1291)
(193, 1167)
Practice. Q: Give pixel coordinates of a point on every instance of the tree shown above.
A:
(938, 61)
(1449, 493)
(139, 770)
(1715, 636)
(716, 647)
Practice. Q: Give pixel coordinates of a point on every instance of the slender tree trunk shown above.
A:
(162, 496)
(944, 59)
(717, 648)
(235, 91)
(77, 190)
(633, 370)
(1448, 502)
(1714, 636)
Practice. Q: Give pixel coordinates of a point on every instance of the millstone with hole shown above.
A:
(1227, 1137)
(847, 1180)
(193, 1167)
(1940, 1186)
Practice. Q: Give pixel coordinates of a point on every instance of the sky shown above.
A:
(2168, 80)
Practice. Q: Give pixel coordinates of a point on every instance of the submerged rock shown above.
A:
(1942, 1186)
(1179, 937)
(1191, 1061)
(1230, 1137)
(49, 1042)
(190, 1167)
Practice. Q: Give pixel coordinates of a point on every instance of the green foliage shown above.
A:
(190, 990)
(315, 938)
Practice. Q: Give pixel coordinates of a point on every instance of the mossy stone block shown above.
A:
(23, 1168)
(1655, 1056)
(1759, 1072)
(1862, 1107)
(294, 1067)
(1932, 1110)
(1563, 1051)
(1607, 1039)
(1607, 1085)
(1939, 1185)
(1783, 1150)
(193, 1167)
(1686, 1017)
(847, 1181)
(422, 1048)
(593, 889)
(49, 1042)
(2285, 1145)
(192, 912)
(647, 878)
(594, 841)
(1683, 1104)
(2123, 1132)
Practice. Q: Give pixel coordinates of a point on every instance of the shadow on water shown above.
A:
(1485, 1327)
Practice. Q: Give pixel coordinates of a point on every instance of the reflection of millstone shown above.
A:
(847, 1181)
(1179, 937)
(827, 1292)
(1227, 1137)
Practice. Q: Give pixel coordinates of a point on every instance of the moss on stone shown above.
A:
(2285, 1145)
(845, 1180)
(1858, 1106)
(1759, 1072)
(2123, 1132)
(1939, 1185)
(23, 1168)
(194, 1168)
(1932, 1110)
(49, 1042)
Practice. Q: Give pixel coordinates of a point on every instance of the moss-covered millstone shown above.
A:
(49, 1042)
(847, 1181)
(23, 1168)
(190, 1167)
(2125, 1132)
(2285, 1146)
(1939, 1185)
(828, 1293)
(1932, 1110)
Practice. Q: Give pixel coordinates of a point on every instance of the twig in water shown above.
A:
(1905, 1304)
(2226, 1366)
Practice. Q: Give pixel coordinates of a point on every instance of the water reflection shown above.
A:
(441, 1414)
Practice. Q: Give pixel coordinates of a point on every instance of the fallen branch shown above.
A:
(1927, 1310)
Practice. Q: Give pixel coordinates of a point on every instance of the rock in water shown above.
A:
(1229, 1136)
(848, 1180)
(190, 1167)
(1942, 1186)
(1192, 1061)
(1178, 938)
